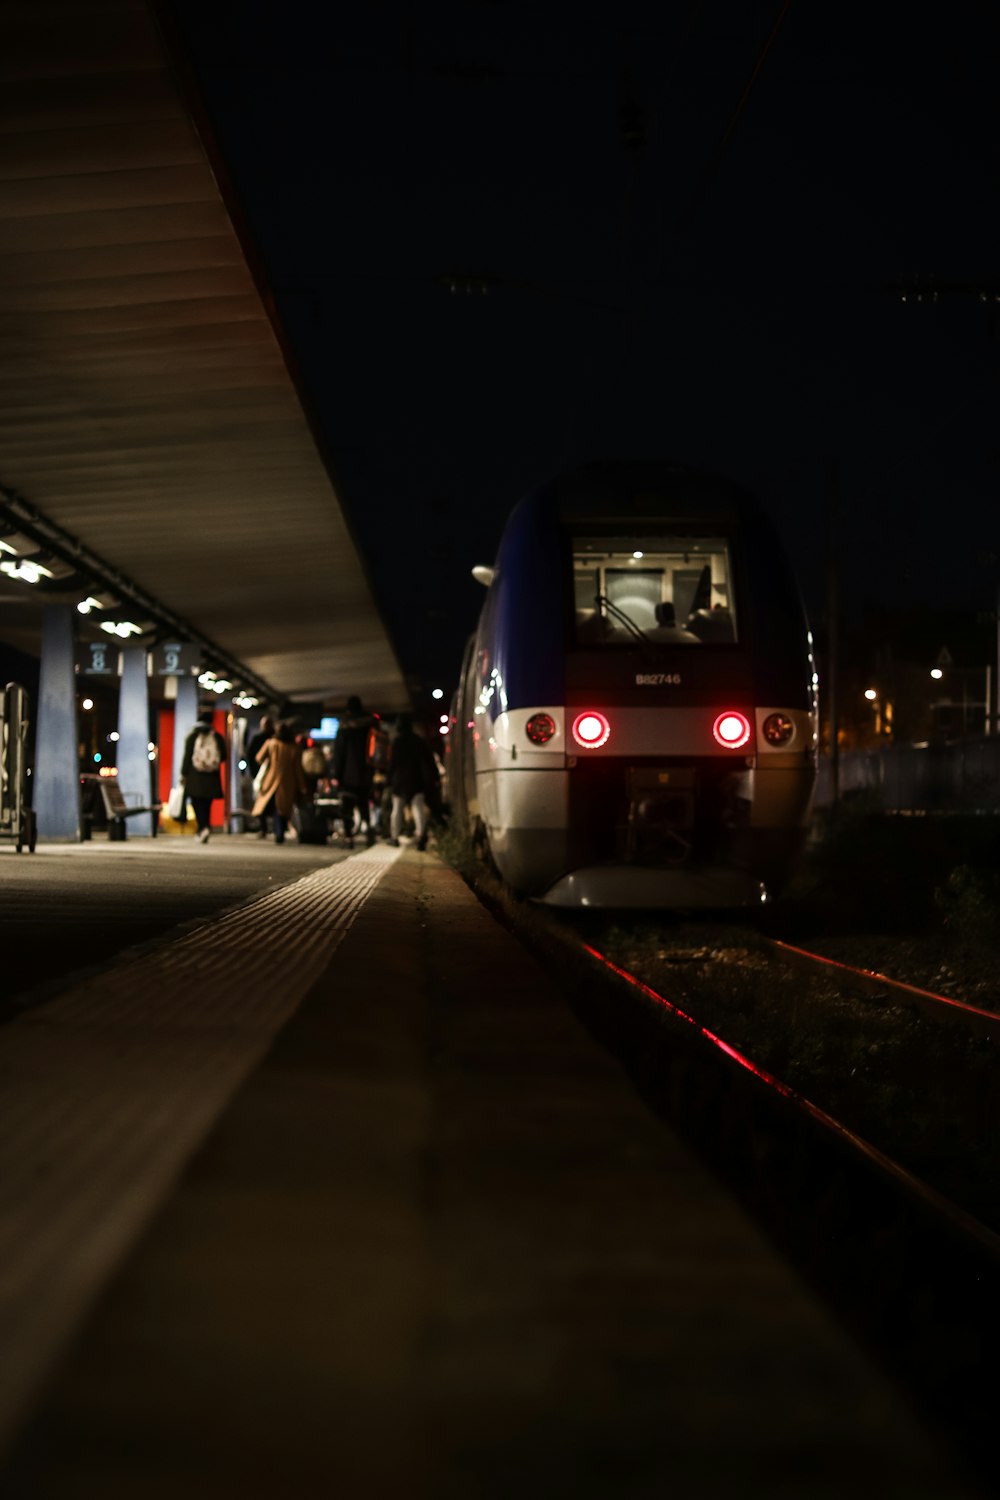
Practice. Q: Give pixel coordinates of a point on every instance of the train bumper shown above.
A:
(638, 888)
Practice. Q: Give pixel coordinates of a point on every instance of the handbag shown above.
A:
(175, 803)
(258, 780)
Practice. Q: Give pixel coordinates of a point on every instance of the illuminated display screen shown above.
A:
(327, 730)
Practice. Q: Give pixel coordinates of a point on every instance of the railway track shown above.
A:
(683, 1003)
(909, 1075)
(928, 1003)
(909, 1268)
(938, 1007)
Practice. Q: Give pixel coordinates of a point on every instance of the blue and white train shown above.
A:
(635, 724)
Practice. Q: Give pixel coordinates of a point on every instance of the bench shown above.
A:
(116, 809)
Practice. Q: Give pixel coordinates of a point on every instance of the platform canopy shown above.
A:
(148, 406)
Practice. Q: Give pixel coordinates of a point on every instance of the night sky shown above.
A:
(508, 237)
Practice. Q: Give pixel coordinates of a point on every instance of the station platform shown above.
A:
(326, 1193)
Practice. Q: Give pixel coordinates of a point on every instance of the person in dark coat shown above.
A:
(263, 733)
(352, 768)
(201, 769)
(413, 777)
(255, 744)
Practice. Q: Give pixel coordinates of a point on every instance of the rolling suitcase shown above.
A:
(310, 824)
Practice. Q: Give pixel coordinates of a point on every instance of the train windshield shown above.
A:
(670, 591)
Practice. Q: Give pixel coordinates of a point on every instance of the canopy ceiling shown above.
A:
(146, 404)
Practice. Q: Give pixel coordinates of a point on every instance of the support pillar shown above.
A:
(134, 766)
(56, 778)
(185, 718)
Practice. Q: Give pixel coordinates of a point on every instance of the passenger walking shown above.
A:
(201, 770)
(259, 738)
(352, 768)
(283, 782)
(413, 777)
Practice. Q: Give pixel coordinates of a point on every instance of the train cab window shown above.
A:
(670, 591)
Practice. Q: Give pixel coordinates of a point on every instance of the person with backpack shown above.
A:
(201, 770)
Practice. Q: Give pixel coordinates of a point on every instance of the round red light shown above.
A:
(591, 729)
(731, 729)
(540, 728)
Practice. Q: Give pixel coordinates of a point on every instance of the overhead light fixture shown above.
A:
(121, 628)
(86, 605)
(18, 543)
(27, 571)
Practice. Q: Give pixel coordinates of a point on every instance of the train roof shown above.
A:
(644, 490)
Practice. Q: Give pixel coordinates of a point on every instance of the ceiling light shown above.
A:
(121, 628)
(27, 571)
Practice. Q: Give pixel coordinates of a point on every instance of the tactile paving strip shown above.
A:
(109, 1088)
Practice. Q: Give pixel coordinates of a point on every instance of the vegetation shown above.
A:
(969, 902)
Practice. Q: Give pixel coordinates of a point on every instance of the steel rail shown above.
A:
(929, 1003)
(931, 1200)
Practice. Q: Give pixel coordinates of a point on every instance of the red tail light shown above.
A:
(591, 729)
(731, 729)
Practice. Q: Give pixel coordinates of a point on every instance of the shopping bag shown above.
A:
(175, 803)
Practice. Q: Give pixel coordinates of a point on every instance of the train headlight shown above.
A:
(731, 729)
(778, 729)
(591, 729)
(540, 728)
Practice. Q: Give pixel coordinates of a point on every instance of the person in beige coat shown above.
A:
(284, 782)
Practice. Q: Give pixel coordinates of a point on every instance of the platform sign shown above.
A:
(98, 659)
(176, 659)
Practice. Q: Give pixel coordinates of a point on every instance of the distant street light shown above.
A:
(871, 694)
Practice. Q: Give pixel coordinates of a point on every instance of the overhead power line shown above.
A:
(715, 160)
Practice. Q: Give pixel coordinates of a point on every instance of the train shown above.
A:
(635, 724)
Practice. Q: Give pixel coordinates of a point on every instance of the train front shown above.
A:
(655, 736)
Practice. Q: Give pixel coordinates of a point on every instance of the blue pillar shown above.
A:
(237, 744)
(56, 779)
(134, 766)
(185, 718)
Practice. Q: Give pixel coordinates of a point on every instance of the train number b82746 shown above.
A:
(586, 788)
